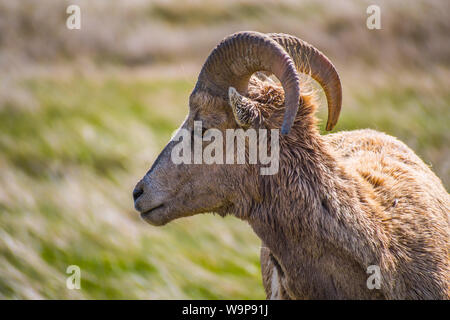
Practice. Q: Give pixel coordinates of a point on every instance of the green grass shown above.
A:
(67, 172)
(68, 166)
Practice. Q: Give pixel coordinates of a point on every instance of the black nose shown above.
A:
(138, 191)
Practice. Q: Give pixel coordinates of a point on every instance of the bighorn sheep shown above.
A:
(339, 203)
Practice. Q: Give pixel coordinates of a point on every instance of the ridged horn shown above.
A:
(310, 60)
(238, 56)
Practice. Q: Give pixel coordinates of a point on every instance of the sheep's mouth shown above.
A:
(157, 216)
(147, 213)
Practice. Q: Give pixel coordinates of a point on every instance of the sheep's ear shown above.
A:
(244, 109)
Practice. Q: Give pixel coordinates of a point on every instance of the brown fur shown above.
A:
(340, 203)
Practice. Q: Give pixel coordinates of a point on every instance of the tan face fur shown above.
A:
(169, 191)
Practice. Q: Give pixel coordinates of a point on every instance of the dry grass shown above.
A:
(142, 32)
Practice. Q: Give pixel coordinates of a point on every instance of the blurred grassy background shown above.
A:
(83, 113)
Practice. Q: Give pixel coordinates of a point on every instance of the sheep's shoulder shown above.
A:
(412, 197)
(390, 167)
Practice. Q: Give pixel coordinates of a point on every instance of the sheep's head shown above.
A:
(226, 97)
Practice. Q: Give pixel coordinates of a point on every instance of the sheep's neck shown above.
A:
(321, 224)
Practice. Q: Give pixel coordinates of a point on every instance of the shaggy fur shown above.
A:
(345, 201)
(340, 203)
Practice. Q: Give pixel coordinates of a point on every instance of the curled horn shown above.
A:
(311, 61)
(238, 56)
